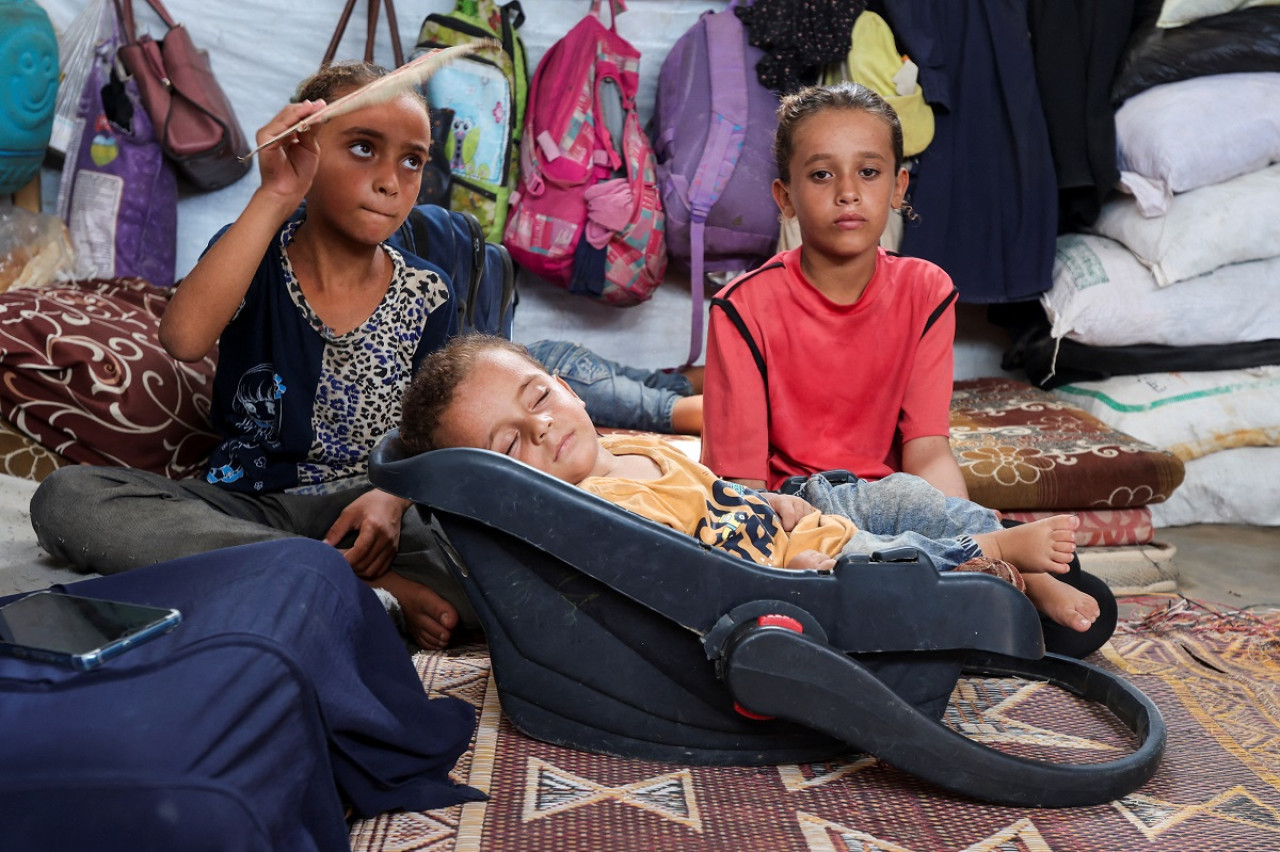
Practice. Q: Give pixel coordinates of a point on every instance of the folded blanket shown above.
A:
(1022, 448)
(1101, 527)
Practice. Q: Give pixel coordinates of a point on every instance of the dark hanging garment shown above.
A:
(985, 189)
(1077, 48)
(798, 37)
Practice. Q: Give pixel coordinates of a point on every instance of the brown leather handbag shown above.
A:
(192, 115)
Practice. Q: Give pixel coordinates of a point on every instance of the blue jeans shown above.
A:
(616, 395)
(902, 510)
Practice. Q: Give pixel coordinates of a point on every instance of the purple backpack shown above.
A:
(712, 132)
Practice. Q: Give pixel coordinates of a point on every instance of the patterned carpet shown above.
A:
(1215, 677)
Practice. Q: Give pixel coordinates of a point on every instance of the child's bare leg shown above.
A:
(686, 416)
(1043, 545)
(1062, 603)
(429, 618)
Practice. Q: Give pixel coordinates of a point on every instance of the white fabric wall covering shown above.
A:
(260, 51)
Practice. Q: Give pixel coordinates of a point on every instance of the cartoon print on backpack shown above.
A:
(459, 133)
(485, 94)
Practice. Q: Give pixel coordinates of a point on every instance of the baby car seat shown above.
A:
(611, 633)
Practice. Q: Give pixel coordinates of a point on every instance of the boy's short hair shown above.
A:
(431, 392)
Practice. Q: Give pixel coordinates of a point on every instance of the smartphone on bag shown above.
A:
(77, 631)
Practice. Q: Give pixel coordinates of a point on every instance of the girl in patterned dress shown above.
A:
(319, 324)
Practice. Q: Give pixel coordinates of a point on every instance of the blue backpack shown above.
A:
(481, 274)
(712, 131)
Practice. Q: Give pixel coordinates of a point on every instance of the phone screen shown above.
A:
(78, 630)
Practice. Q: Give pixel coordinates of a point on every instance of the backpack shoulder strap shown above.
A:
(477, 253)
(510, 298)
(727, 63)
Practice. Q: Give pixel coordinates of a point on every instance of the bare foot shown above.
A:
(429, 619)
(1043, 545)
(1065, 605)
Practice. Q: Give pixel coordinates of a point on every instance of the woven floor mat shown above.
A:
(1215, 677)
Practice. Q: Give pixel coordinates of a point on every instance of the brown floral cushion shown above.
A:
(24, 458)
(1020, 447)
(83, 374)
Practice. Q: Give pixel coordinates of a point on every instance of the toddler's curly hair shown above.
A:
(431, 392)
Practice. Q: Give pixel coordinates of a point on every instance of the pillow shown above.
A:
(1188, 414)
(1181, 136)
(1177, 13)
(1205, 228)
(1102, 296)
(1022, 448)
(24, 458)
(83, 373)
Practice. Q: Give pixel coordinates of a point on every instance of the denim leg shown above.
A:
(943, 553)
(616, 395)
(677, 383)
(902, 510)
(900, 502)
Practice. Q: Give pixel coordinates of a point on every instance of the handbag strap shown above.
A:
(125, 10)
(370, 31)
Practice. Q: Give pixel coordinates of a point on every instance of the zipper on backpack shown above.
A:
(476, 188)
(450, 23)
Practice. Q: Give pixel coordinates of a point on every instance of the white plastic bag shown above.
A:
(75, 52)
(35, 249)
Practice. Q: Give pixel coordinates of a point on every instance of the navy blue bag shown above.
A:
(283, 698)
(481, 274)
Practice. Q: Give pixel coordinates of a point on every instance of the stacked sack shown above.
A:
(1165, 318)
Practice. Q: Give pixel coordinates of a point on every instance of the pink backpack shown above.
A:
(588, 216)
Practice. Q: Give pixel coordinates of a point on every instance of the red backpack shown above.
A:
(587, 214)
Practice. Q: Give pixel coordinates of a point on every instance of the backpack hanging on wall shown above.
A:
(481, 275)
(712, 132)
(485, 94)
(588, 215)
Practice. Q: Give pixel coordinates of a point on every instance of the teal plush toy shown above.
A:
(28, 90)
